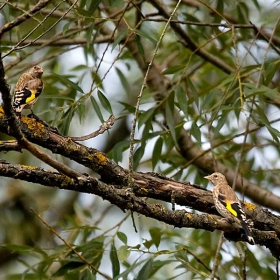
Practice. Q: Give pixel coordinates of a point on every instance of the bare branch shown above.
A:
(105, 126)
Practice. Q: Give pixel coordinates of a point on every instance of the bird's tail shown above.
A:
(247, 231)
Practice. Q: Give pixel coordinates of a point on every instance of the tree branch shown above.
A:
(126, 199)
(36, 8)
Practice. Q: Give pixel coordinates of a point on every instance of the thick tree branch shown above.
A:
(126, 199)
(145, 184)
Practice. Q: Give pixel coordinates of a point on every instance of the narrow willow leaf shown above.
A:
(124, 81)
(97, 109)
(105, 102)
(195, 132)
(68, 82)
(114, 260)
(157, 152)
(182, 100)
(139, 46)
(145, 270)
(143, 34)
(119, 37)
(145, 117)
(138, 156)
(122, 237)
(69, 266)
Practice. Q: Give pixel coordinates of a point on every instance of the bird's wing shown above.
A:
(229, 199)
(22, 81)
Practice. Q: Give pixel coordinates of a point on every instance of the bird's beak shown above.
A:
(207, 177)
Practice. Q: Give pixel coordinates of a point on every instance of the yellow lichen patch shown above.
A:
(189, 216)
(33, 125)
(101, 158)
(69, 145)
(210, 216)
(250, 206)
(142, 191)
(65, 182)
(1, 111)
(29, 167)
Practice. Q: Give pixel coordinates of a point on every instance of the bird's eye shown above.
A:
(215, 176)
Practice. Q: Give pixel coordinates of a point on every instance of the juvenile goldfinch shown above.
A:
(27, 89)
(227, 203)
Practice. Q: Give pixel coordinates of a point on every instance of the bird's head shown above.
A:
(216, 178)
(36, 71)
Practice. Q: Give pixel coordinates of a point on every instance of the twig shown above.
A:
(10, 145)
(105, 126)
(216, 259)
(144, 84)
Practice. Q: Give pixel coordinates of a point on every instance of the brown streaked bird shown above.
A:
(27, 89)
(227, 203)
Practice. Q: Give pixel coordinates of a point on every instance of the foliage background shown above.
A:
(211, 72)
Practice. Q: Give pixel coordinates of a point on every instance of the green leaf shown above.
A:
(143, 34)
(67, 268)
(119, 38)
(174, 69)
(140, 47)
(183, 256)
(123, 253)
(96, 108)
(195, 132)
(131, 269)
(156, 234)
(145, 270)
(222, 120)
(148, 243)
(138, 156)
(122, 237)
(146, 116)
(68, 82)
(105, 102)
(115, 261)
(182, 100)
(263, 119)
(117, 152)
(93, 5)
(157, 152)
(67, 118)
(130, 109)
(124, 81)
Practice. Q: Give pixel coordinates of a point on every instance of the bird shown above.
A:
(227, 202)
(27, 89)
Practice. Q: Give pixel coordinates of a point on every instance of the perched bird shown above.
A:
(227, 203)
(27, 89)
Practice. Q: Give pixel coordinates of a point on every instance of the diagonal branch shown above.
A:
(36, 8)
